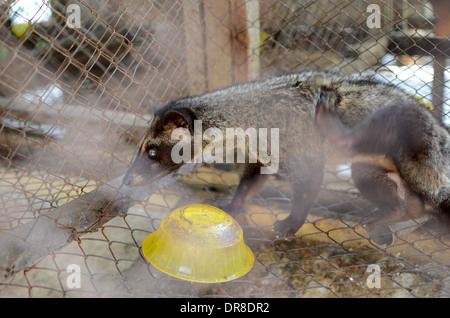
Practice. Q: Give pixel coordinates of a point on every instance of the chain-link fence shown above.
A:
(75, 80)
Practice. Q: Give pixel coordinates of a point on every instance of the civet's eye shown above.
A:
(152, 153)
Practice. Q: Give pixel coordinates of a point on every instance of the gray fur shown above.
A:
(287, 102)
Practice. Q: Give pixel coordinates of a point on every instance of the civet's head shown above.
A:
(154, 156)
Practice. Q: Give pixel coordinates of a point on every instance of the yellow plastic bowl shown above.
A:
(199, 243)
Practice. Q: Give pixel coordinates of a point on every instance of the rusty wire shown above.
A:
(74, 104)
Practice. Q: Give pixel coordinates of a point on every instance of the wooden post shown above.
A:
(193, 14)
(245, 30)
(218, 44)
(439, 64)
(222, 42)
(399, 20)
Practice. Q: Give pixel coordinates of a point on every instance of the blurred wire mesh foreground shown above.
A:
(75, 80)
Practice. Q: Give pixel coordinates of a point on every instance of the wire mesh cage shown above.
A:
(75, 80)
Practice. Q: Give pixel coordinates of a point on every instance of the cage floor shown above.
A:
(329, 256)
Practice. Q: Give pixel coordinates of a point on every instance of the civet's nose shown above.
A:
(128, 179)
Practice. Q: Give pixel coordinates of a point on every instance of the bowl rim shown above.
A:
(161, 234)
(245, 269)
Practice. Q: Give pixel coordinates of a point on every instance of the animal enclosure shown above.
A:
(75, 81)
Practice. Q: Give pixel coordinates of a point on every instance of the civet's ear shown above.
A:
(154, 106)
(178, 119)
